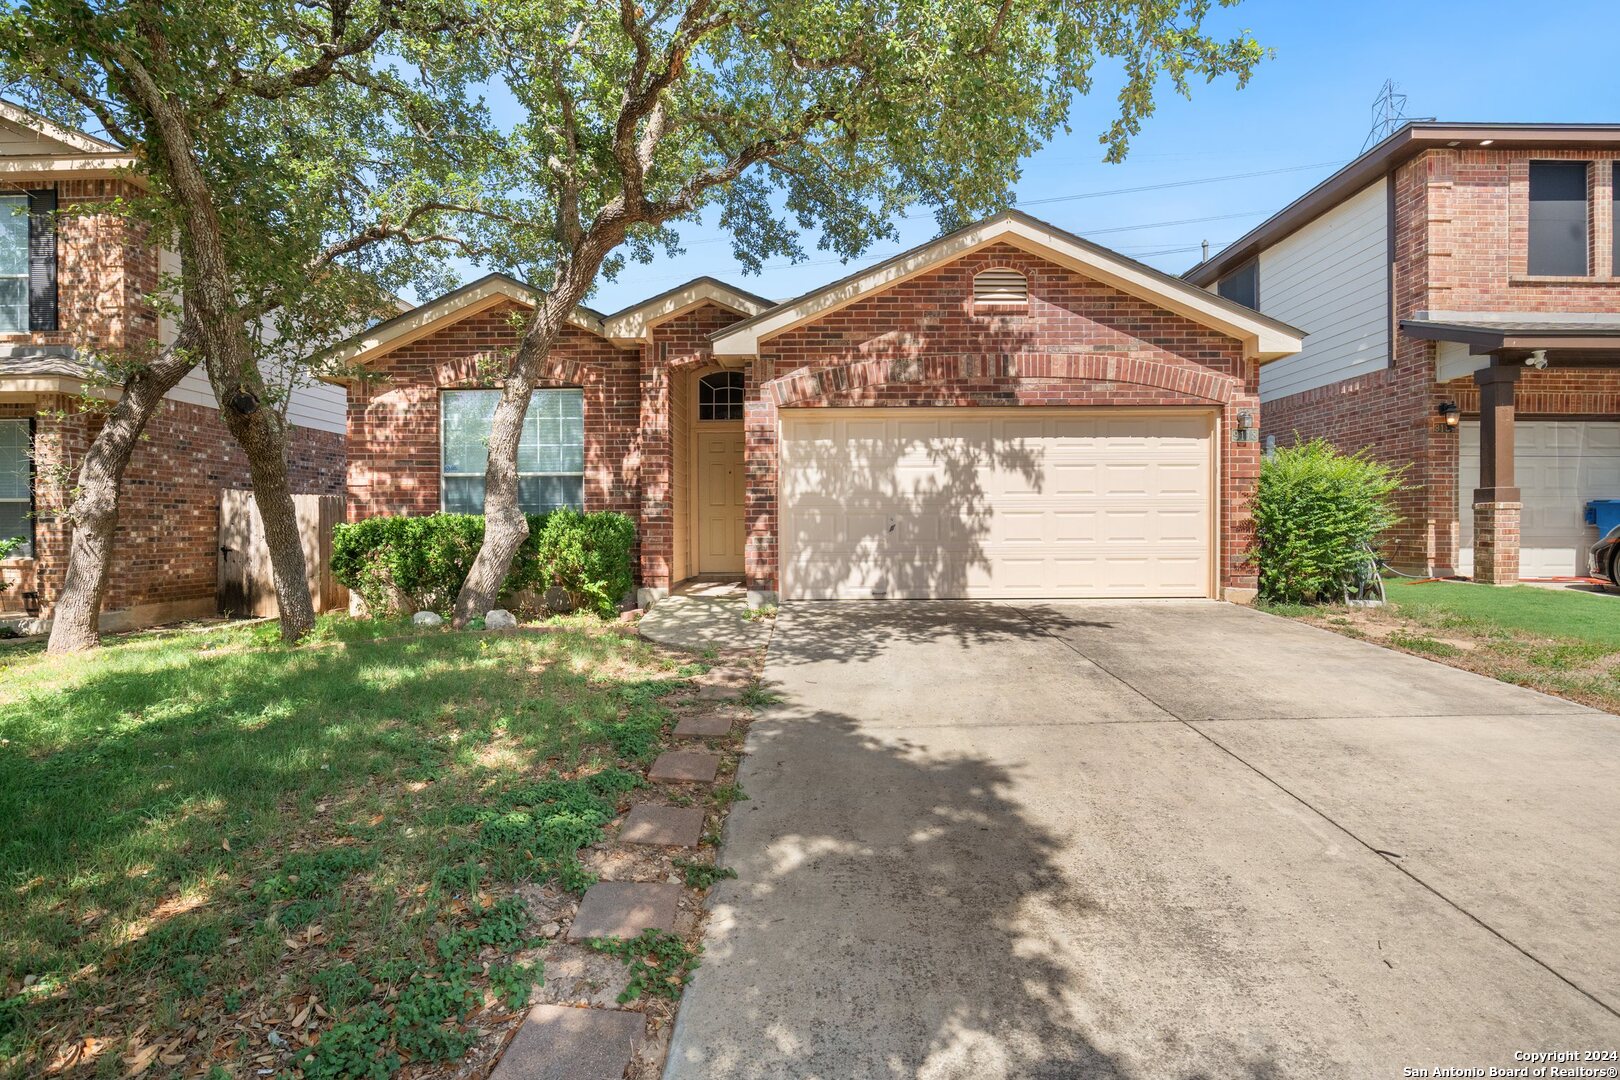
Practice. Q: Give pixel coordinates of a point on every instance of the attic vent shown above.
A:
(1000, 287)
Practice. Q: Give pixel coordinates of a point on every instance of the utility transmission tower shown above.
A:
(1388, 113)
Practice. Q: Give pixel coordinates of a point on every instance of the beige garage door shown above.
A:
(981, 503)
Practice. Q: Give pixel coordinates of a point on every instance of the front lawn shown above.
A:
(218, 852)
(1551, 613)
(1558, 641)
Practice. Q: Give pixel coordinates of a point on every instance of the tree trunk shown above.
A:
(210, 302)
(262, 434)
(75, 621)
(505, 526)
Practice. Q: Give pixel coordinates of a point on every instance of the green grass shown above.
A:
(202, 827)
(1551, 613)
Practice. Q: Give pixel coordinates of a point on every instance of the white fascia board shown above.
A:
(17, 168)
(75, 140)
(634, 325)
(26, 387)
(1261, 338)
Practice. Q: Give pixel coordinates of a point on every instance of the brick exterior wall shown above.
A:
(165, 553)
(920, 343)
(393, 431)
(105, 271)
(679, 345)
(1461, 226)
(166, 549)
(1079, 343)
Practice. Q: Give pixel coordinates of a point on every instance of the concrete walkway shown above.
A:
(1162, 840)
(705, 617)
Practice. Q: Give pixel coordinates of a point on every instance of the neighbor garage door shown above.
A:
(982, 503)
(1560, 465)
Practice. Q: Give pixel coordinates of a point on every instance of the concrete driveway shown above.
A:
(1155, 840)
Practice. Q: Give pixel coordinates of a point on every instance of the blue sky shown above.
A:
(1309, 106)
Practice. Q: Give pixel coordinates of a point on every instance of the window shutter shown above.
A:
(42, 259)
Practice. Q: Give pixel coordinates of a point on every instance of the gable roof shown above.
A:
(65, 138)
(623, 327)
(489, 291)
(633, 322)
(1262, 337)
(1407, 142)
(33, 148)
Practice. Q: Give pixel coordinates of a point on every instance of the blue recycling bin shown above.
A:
(1604, 513)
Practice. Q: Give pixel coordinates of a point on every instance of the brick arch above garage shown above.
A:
(1000, 380)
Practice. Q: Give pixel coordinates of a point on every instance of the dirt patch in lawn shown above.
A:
(1580, 671)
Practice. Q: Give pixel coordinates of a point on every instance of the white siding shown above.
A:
(1330, 279)
(316, 404)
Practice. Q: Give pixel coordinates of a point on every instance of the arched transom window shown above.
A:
(720, 396)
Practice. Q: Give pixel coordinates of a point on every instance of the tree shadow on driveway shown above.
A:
(898, 913)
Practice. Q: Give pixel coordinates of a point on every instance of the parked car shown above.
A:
(1605, 557)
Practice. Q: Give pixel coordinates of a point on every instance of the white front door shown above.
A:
(996, 503)
(1560, 465)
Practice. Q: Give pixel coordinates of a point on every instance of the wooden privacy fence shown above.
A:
(246, 584)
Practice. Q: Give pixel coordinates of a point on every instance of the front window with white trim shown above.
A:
(16, 483)
(13, 264)
(551, 453)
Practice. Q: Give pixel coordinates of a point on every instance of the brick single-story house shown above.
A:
(1461, 288)
(76, 280)
(1006, 411)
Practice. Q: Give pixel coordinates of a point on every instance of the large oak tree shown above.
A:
(781, 117)
(299, 156)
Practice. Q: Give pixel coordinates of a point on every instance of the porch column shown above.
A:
(1497, 502)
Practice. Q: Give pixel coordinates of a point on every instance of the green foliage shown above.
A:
(424, 560)
(356, 1049)
(502, 925)
(588, 555)
(341, 987)
(660, 962)
(1422, 643)
(701, 875)
(1314, 509)
(421, 559)
(538, 828)
(513, 983)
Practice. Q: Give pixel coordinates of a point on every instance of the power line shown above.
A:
(1179, 183)
(1116, 191)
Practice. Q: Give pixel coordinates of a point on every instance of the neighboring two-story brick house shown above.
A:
(77, 280)
(1460, 289)
(1006, 411)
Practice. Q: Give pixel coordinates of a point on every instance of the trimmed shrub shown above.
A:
(589, 556)
(1314, 510)
(407, 564)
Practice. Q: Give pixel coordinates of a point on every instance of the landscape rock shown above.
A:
(559, 600)
(500, 619)
(427, 618)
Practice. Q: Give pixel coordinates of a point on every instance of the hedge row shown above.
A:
(419, 563)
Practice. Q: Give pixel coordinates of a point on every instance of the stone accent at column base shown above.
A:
(1496, 542)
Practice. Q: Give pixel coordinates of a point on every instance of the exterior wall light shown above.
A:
(1245, 432)
(1450, 415)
